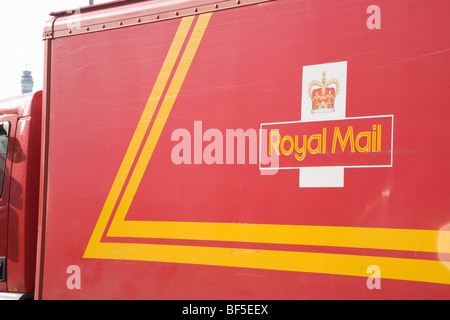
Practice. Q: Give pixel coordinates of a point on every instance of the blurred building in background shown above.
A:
(27, 82)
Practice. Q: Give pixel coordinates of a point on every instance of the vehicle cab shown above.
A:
(20, 135)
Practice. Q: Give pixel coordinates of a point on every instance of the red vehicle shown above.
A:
(20, 145)
(246, 149)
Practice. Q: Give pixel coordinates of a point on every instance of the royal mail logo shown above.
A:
(325, 142)
(323, 97)
(353, 142)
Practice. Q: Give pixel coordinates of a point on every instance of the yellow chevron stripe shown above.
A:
(141, 129)
(162, 117)
(339, 264)
(352, 237)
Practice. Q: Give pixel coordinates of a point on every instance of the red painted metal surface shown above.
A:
(246, 72)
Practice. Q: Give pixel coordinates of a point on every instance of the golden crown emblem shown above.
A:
(324, 96)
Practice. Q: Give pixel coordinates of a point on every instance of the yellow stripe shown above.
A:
(373, 238)
(162, 117)
(141, 129)
(350, 265)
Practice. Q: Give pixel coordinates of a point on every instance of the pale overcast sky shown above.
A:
(21, 26)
